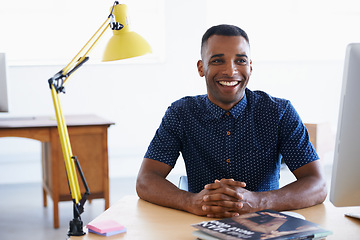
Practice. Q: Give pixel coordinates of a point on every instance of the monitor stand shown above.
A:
(353, 215)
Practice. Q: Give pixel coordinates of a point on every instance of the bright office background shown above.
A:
(298, 48)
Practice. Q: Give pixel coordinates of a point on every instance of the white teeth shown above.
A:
(230, 84)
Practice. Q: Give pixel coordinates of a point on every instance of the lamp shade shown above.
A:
(124, 43)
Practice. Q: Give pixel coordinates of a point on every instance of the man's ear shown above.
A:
(251, 68)
(200, 68)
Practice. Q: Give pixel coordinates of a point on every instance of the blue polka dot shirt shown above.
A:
(245, 143)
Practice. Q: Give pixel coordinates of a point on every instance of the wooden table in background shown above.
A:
(88, 137)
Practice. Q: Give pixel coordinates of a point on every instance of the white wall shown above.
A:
(135, 96)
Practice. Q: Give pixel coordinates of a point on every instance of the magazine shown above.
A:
(266, 224)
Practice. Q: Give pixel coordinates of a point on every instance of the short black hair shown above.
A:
(224, 30)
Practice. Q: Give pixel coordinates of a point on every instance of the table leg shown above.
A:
(56, 213)
(44, 197)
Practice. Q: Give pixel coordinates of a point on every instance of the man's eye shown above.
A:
(242, 61)
(216, 61)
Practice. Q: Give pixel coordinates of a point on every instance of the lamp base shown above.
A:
(76, 228)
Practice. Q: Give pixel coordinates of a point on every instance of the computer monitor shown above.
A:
(345, 182)
(4, 105)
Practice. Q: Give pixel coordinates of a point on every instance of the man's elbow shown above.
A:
(140, 187)
(322, 191)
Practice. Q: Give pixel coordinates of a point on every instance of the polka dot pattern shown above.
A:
(245, 143)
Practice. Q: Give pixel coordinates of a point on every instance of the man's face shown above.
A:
(227, 67)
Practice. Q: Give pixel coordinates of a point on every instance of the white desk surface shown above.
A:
(148, 221)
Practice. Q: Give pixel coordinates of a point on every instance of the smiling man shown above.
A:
(232, 140)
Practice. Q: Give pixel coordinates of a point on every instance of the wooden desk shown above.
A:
(144, 220)
(88, 136)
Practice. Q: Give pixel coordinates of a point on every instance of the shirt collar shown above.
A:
(218, 112)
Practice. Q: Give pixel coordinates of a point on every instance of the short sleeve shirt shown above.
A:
(245, 143)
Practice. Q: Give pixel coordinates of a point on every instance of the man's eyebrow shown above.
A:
(241, 55)
(221, 55)
(217, 55)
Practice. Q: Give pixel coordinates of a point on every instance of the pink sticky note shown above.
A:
(105, 226)
(108, 234)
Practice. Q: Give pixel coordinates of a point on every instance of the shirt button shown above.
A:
(228, 160)
(228, 133)
(228, 114)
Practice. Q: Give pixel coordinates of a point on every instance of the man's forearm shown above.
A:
(306, 192)
(309, 189)
(160, 191)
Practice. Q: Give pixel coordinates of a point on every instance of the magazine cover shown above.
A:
(265, 224)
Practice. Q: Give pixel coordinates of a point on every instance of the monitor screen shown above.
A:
(345, 182)
(4, 106)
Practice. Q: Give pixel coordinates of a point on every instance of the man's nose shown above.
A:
(230, 69)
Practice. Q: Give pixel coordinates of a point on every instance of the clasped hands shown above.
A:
(224, 198)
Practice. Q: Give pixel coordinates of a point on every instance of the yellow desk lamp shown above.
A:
(123, 44)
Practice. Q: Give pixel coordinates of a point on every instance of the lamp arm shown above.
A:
(79, 207)
(82, 56)
(61, 77)
(85, 51)
(76, 225)
(56, 84)
(87, 190)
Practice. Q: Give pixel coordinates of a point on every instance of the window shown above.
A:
(52, 32)
(284, 29)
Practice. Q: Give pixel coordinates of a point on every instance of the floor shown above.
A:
(22, 215)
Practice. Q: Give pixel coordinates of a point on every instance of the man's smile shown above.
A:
(229, 83)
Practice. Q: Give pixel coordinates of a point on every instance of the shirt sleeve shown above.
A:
(295, 146)
(166, 144)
